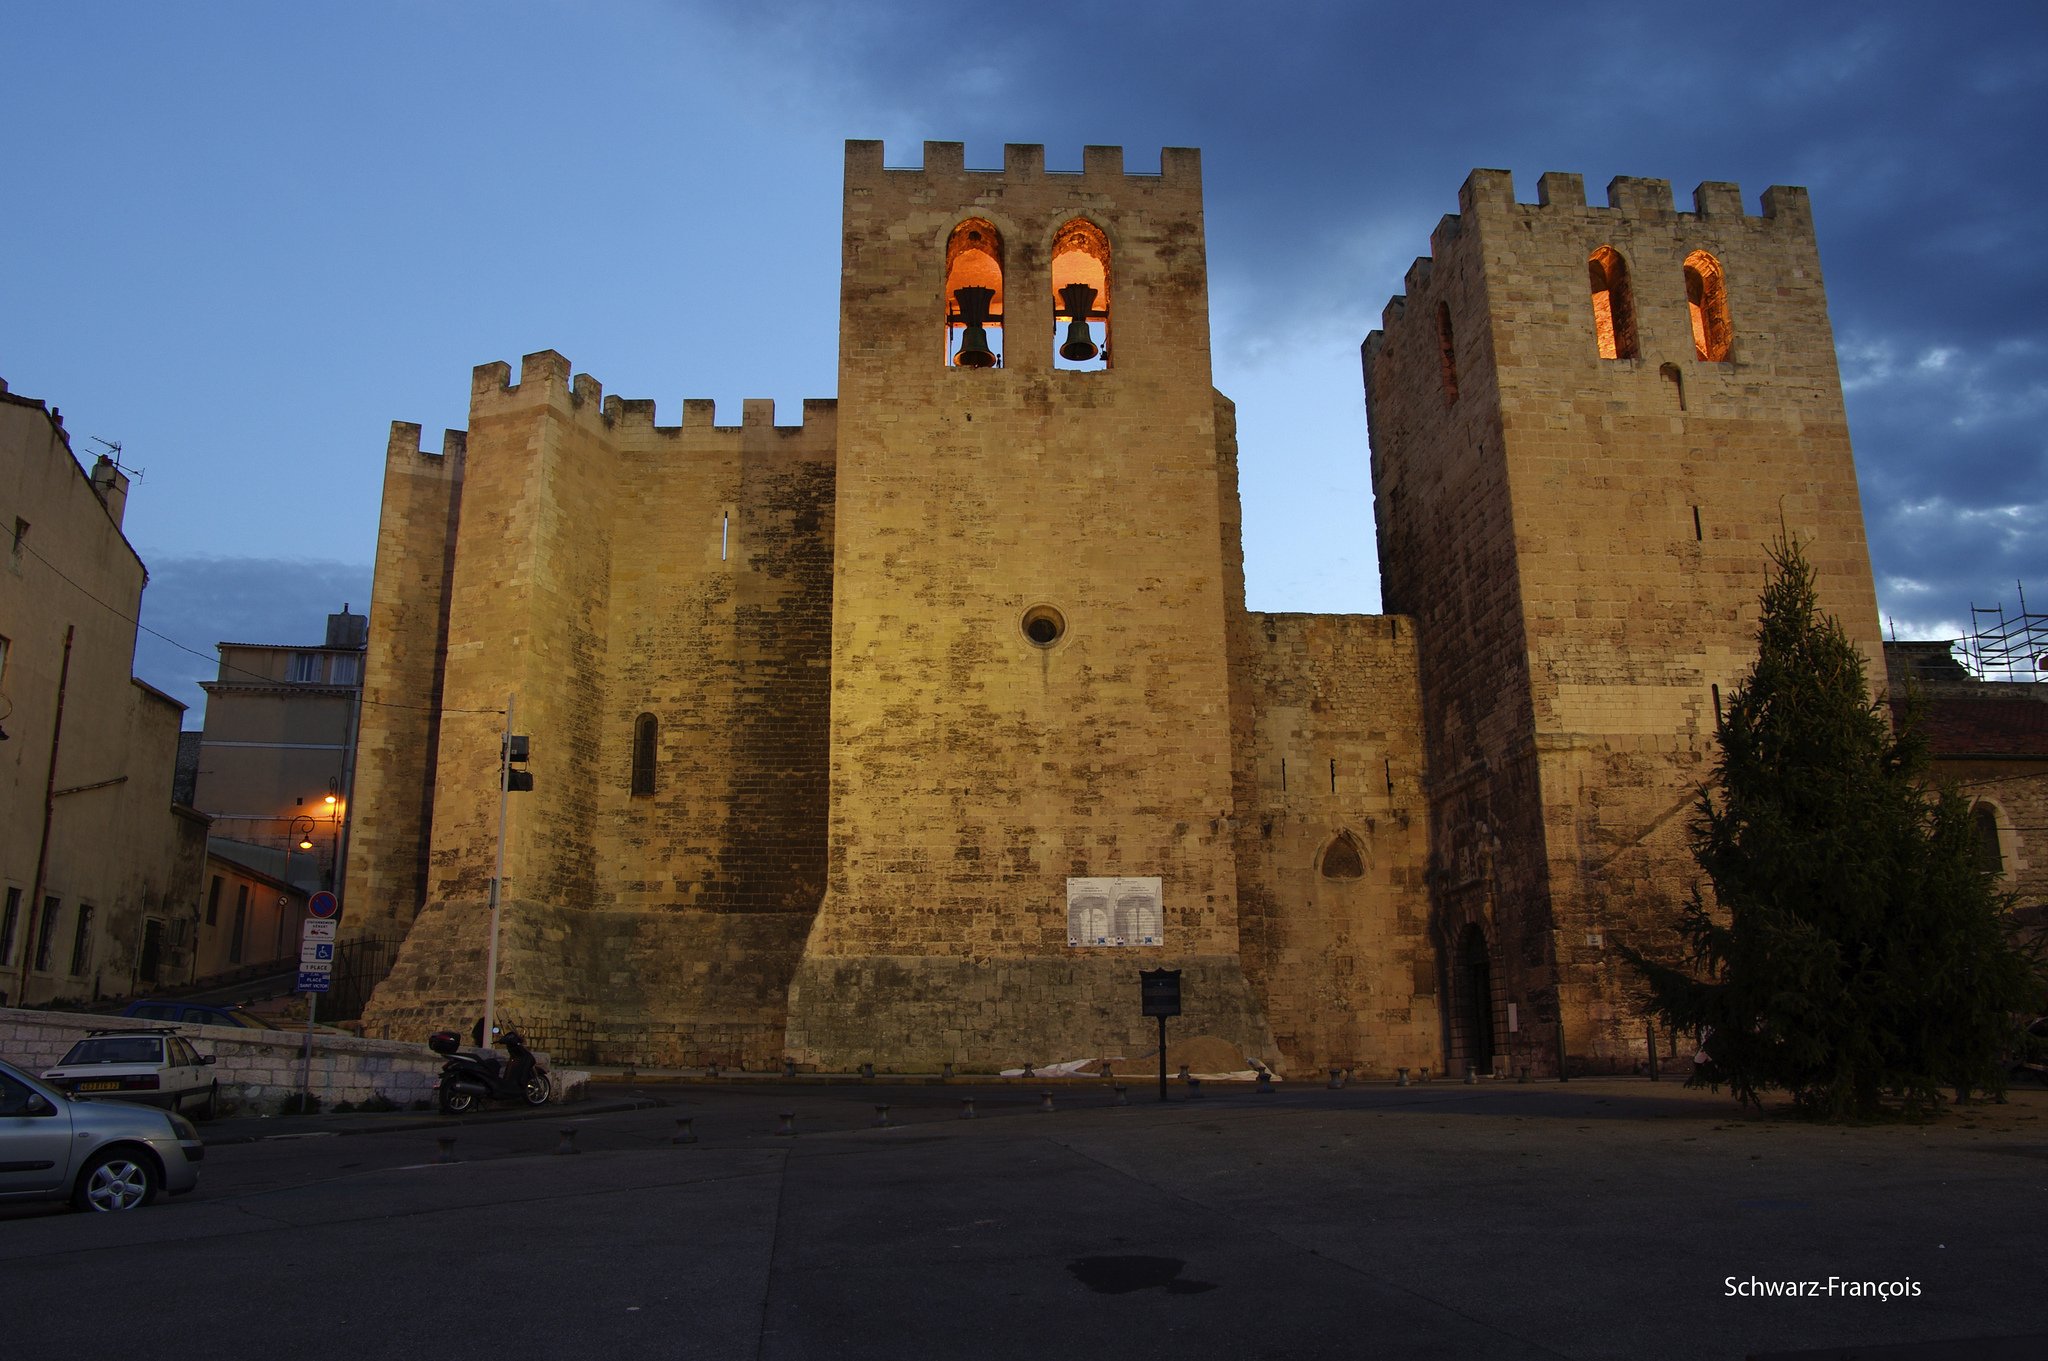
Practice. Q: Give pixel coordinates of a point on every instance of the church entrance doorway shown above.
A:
(1475, 979)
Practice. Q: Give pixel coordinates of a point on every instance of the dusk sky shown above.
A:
(241, 239)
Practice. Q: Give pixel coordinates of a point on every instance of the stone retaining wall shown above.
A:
(256, 1069)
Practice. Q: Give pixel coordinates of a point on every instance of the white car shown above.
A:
(99, 1155)
(156, 1066)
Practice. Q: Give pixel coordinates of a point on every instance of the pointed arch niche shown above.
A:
(1080, 296)
(1343, 858)
(1614, 304)
(974, 295)
(1706, 298)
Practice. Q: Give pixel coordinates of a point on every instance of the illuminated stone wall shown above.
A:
(1582, 544)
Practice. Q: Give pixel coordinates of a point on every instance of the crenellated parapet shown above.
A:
(1022, 164)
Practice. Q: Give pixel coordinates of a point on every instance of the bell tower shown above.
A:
(1030, 724)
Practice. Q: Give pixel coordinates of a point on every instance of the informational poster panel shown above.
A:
(1113, 912)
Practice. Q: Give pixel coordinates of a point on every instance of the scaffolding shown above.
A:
(2006, 646)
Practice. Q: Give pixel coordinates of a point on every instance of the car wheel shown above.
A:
(455, 1101)
(116, 1180)
(538, 1090)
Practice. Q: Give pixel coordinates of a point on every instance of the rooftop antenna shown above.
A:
(113, 456)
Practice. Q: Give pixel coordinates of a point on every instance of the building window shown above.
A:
(1614, 304)
(213, 902)
(344, 668)
(241, 923)
(1342, 858)
(1706, 297)
(304, 668)
(10, 918)
(974, 295)
(645, 734)
(47, 931)
(81, 942)
(1080, 290)
(1447, 352)
(1990, 854)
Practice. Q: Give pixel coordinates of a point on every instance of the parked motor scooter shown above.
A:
(467, 1078)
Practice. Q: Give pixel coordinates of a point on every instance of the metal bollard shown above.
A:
(1403, 1079)
(568, 1144)
(1122, 1098)
(1027, 1070)
(1336, 1078)
(1194, 1086)
(966, 1108)
(1045, 1102)
(447, 1153)
(1265, 1081)
(684, 1134)
(881, 1117)
(947, 1072)
(711, 1070)
(1183, 1073)
(1425, 1072)
(788, 1123)
(789, 1067)
(867, 1070)
(1522, 1075)
(1471, 1075)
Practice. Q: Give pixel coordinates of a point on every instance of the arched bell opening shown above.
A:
(1706, 298)
(974, 295)
(1614, 304)
(1080, 291)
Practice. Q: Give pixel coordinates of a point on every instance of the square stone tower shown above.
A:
(1588, 426)
(1030, 684)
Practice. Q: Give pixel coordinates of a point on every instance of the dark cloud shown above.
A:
(192, 604)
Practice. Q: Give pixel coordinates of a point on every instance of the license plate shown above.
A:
(99, 1087)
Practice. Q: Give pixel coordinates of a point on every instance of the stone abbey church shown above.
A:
(909, 733)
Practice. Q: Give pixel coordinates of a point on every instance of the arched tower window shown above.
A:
(645, 731)
(1447, 352)
(1080, 291)
(1614, 304)
(1342, 858)
(1706, 297)
(1990, 855)
(974, 295)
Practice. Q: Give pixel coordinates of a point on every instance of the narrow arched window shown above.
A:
(1984, 822)
(1614, 304)
(1341, 858)
(1706, 297)
(974, 295)
(1080, 292)
(645, 731)
(1447, 352)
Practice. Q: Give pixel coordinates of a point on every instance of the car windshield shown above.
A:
(115, 1049)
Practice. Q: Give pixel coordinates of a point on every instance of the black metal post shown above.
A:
(1162, 1058)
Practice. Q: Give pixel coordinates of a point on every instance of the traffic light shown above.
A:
(517, 781)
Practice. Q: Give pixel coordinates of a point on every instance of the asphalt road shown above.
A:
(1598, 1219)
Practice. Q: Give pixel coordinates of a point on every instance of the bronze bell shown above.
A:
(971, 306)
(1076, 300)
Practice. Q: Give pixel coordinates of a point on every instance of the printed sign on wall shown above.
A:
(1115, 912)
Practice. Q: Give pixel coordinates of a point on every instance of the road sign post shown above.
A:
(1159, 990)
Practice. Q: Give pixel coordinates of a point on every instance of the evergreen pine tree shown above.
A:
(1852, 951)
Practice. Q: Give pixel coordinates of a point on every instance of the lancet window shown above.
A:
(1706, 297)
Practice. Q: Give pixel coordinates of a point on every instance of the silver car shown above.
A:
(100, 1155)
